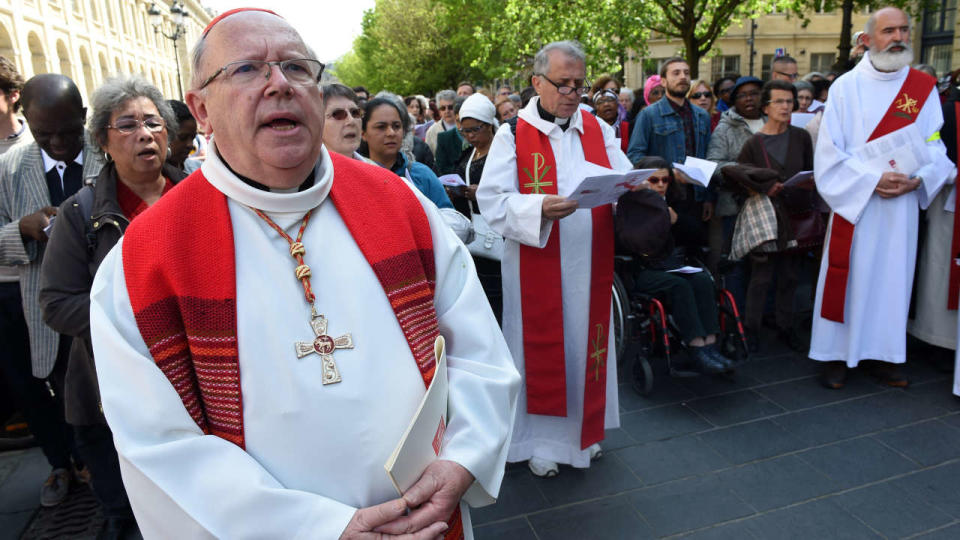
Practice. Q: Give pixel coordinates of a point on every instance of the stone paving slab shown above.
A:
(768, 454)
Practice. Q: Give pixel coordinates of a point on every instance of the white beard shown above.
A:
(891, 61)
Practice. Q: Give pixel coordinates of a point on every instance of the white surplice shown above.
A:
(518, 218)
(934, 323)
(884, 246)
(314, 454)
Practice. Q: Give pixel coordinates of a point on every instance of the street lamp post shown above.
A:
(179, 30)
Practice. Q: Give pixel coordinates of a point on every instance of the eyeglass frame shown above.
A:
(579, 90)
(278, 63)
(140, 124)
(665, 180)
(474, 129)
(791, 76)
(698, 95)
(347, 112)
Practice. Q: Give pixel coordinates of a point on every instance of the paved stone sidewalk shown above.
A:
(769, 455)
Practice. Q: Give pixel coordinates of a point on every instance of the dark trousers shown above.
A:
(488, 270)
(691, 297)
(43, 411)
(95, 446)
(786, 267)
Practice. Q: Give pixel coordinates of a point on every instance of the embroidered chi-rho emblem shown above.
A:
(438, 438)
(540, 170)
(598, 357)
(906, 106)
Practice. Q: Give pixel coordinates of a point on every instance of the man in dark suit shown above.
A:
(34, 179)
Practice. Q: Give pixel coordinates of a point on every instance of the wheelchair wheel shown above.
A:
(621, 313)
(641, 375)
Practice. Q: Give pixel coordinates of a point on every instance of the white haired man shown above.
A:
(557, 266)
(867, 270)
(234, 411)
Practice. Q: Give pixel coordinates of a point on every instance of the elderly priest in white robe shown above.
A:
(264, 337)
(866, 275)
(557, 266)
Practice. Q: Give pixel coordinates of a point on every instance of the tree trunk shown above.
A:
(843, 50)
(692, 54)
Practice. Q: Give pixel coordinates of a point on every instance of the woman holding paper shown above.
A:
(774, 154)
(478, 123)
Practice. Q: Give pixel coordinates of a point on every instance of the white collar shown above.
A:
(532, 117)
(233, 187)
(49, 162)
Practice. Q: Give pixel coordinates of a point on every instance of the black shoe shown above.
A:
(705, 363)
(792, 339)
(722, 359)
(834, 375)
(115, 528)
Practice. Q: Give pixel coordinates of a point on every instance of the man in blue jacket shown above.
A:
(673, 128)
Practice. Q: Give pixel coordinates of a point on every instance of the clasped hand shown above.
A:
(894, 184)
(431, 501)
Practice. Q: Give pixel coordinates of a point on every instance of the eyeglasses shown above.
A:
(659, 180)
(698, 95)
(791, 76)
(564, 90)
(298, 72)
(444, 107)
(471, 131)
(778, 102)
(341, 114)
(127, 126)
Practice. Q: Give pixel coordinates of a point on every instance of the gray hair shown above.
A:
(810, 76)
(871, 24)
(445, 95)
(926, 68)
(803, 85)
(338, 90)
(116, 91)
(570, 49)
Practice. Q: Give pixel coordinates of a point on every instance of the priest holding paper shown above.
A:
(557, 266)
(878, 160)
(265, 336)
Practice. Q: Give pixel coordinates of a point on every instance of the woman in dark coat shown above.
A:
(132, 124)
(782, 151)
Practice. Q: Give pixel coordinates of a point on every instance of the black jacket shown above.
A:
(66, 276)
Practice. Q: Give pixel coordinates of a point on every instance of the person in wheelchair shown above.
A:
(661, 239)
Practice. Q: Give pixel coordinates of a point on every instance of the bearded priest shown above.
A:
(265, 333)
(866, 275)
(557, 265)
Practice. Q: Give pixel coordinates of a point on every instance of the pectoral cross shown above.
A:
(598, 353)
(324, 345)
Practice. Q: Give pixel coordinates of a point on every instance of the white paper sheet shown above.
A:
(452, 180)
(800, 178)
(606, 187)
(686, 270)
(895, 151)
(699, 170)
(801, 119)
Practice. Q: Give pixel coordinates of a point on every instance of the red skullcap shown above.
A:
(226, 14)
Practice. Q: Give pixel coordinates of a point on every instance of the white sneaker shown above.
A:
(595, 451)
(543, 468)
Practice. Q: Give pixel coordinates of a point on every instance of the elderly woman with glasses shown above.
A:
(768, 159)
(606, 105)
(650, 228)
(133, 125)
(341, 126)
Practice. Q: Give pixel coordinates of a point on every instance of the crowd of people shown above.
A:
(144, 247)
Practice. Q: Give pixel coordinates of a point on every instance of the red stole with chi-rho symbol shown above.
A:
(541, 295)
(902, 112)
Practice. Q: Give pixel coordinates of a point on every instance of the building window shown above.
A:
(724, 65)
(765, 62)
(822, 62)
(936, 45)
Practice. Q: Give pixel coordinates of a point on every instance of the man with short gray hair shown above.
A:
(448, 118)
(557, 266)
(876, 194)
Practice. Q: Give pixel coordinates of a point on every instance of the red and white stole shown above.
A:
(183, 290)
(541, 284)
(953, 292)
(901, 113)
